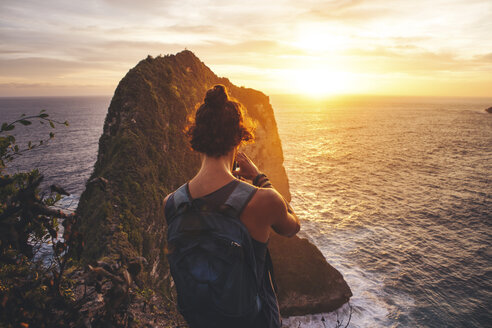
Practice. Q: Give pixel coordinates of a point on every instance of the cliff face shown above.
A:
(143, 155)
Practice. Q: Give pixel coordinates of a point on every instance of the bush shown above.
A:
(31, 292)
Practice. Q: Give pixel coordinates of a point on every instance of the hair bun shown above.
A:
(217, 96)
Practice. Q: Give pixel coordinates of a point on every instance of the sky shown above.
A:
(316, 48)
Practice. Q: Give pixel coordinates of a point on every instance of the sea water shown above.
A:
(68, 159)
(395, 192)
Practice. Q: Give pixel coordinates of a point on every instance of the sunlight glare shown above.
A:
(319, 82)
(317, 38)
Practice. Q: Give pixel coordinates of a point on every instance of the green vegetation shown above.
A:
(110, 268)
(143, 155)
(31, 292)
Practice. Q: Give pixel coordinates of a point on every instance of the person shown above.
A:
(217, 131)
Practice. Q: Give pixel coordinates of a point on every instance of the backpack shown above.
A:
(212, 260)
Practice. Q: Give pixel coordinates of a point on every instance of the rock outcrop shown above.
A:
(143, 155)
(489, 110)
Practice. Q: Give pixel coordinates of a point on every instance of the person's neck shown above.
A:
(215, 168)
(214, 173)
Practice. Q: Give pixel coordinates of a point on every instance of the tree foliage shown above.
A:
(9, 149)
(31, 286)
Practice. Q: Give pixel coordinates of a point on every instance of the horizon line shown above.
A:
(298, 95)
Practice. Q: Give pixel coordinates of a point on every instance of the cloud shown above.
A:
(121, 51)
(41, 67)
(51, 89)
(261, 47)
(10, 51)
(348, 14)
(416, 61)
(242, 58)
(194, 29)
(485, 58)
(373, 52)
(146, 4)
(73, 42)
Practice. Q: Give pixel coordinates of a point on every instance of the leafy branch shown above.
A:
(24, 120)
(29, 290)
(8, 147)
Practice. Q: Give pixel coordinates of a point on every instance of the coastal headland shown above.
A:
(143, 155)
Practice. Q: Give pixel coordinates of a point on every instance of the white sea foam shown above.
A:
(371, 305)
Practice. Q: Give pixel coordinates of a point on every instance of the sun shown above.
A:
(319, 82)
(320, 71)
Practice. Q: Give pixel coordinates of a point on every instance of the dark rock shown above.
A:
(100, 181)
(58, 189)
(306, 282)
(136, 265)
(145, 155)
(489, 110)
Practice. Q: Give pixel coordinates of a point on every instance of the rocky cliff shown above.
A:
(143, 155)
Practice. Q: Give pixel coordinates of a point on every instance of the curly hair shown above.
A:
(219, 124)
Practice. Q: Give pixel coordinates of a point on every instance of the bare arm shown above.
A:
(282, 217)
(284, 220)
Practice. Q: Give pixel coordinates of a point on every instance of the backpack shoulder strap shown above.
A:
(169, 208)
(181, 196)
(176, 201)
(240, 197)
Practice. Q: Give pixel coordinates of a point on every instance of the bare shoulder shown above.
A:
(268, 196)
(268, 201)
(259, 215)
(269, 205)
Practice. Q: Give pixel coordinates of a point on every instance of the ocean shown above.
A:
(395, 192)
(67, 159)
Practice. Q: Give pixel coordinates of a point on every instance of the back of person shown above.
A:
(219, 227)
(222, 275)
